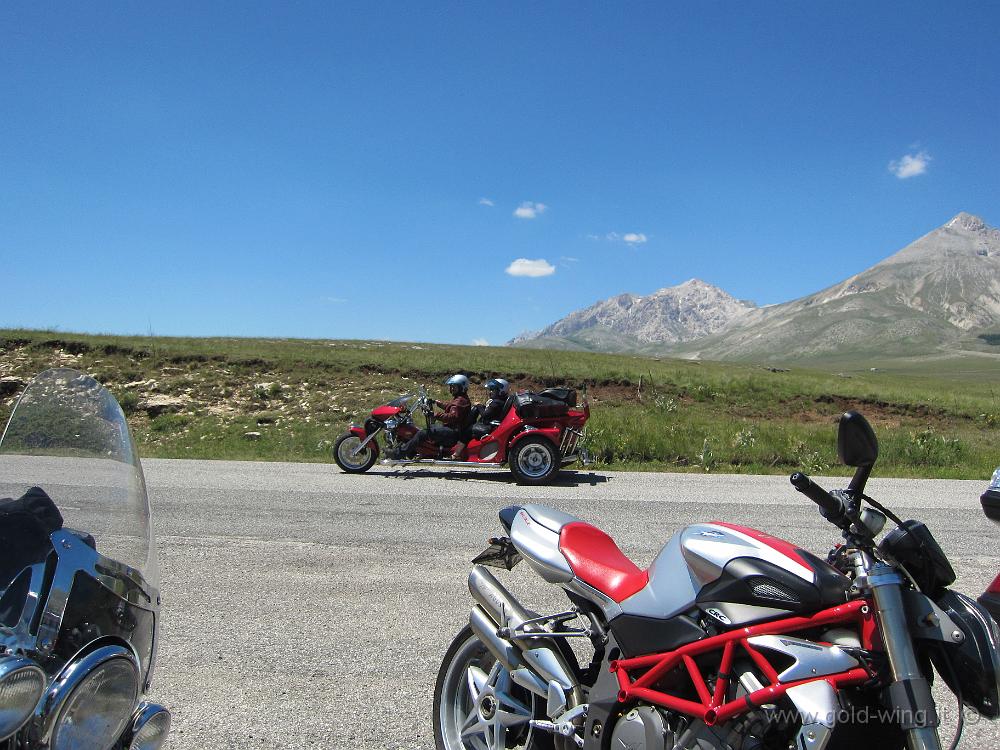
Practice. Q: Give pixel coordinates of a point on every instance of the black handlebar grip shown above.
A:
(831, 506)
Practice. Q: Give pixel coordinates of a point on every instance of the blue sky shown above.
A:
(374, 170)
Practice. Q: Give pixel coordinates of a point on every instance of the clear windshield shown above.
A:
(68, 436)
(401, 401)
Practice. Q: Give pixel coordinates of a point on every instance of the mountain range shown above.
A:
(937, 297)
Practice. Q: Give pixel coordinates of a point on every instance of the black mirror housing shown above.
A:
(856, 442)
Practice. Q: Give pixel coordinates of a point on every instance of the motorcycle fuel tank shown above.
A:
(736, 575)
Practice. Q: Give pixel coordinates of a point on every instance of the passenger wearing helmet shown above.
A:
(498, 389)
(452, 419)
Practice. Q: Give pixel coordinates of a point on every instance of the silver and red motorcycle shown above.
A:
(79, 599)
(732, 639)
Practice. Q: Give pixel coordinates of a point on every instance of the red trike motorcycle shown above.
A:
(538, 434)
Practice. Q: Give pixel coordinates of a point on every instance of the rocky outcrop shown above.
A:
(160, 403)
(10, 385)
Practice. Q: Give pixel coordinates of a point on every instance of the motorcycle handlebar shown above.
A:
(831, 507)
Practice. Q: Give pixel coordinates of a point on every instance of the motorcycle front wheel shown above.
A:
(477, 706)
(353, 464)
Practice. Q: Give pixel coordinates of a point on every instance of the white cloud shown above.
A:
(480, 342)
(486, 202)
(569, 259)
(533, 268)
(529, 210)
(910, 165)
(333, 300)
(632, 238)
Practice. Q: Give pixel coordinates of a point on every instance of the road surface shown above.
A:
(304, 607)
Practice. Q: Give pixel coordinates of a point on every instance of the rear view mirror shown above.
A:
(856, 441)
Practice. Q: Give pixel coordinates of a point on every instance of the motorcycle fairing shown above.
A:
(74, 598)
(533, 535)
(384, 412)
(751, 589)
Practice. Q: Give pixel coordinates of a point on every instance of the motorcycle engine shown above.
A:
(642, 728)
(649, 728)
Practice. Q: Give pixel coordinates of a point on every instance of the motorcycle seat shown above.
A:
(480, 430)
(597, 561)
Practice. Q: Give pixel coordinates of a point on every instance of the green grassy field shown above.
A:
(648, 413)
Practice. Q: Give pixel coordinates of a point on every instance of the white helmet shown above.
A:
(457, 384)
(497, 387)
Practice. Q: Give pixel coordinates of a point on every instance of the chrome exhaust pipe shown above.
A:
(486, 631)
(498, 613)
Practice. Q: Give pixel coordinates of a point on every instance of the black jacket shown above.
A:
(493, 411)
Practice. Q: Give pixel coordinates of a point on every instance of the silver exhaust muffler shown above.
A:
(486, 630)
(498, 614)
(495, 600)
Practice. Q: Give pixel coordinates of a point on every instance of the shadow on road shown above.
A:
(565, 479)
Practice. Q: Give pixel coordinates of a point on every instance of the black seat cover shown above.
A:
(480, 430)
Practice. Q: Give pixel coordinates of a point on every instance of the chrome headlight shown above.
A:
(92, 700)
(22, 683)
(149, 727)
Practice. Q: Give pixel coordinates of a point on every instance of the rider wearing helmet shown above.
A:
(456, 411)
(452, 419)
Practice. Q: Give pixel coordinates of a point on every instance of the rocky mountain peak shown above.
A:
(968, 222)
(673, 314)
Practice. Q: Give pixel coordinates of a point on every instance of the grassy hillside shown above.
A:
(198, 398)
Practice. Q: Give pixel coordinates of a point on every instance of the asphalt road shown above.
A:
(308, 608)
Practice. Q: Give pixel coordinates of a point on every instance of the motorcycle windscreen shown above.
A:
(67, 460)
(402, 400)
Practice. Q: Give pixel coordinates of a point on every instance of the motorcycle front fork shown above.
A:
(909, 695)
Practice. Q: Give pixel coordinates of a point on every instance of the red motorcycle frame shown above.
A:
(535, 449)
(711, 707)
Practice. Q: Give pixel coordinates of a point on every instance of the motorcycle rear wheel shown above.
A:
(477, 706)
(358, 464)
(535, 461)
